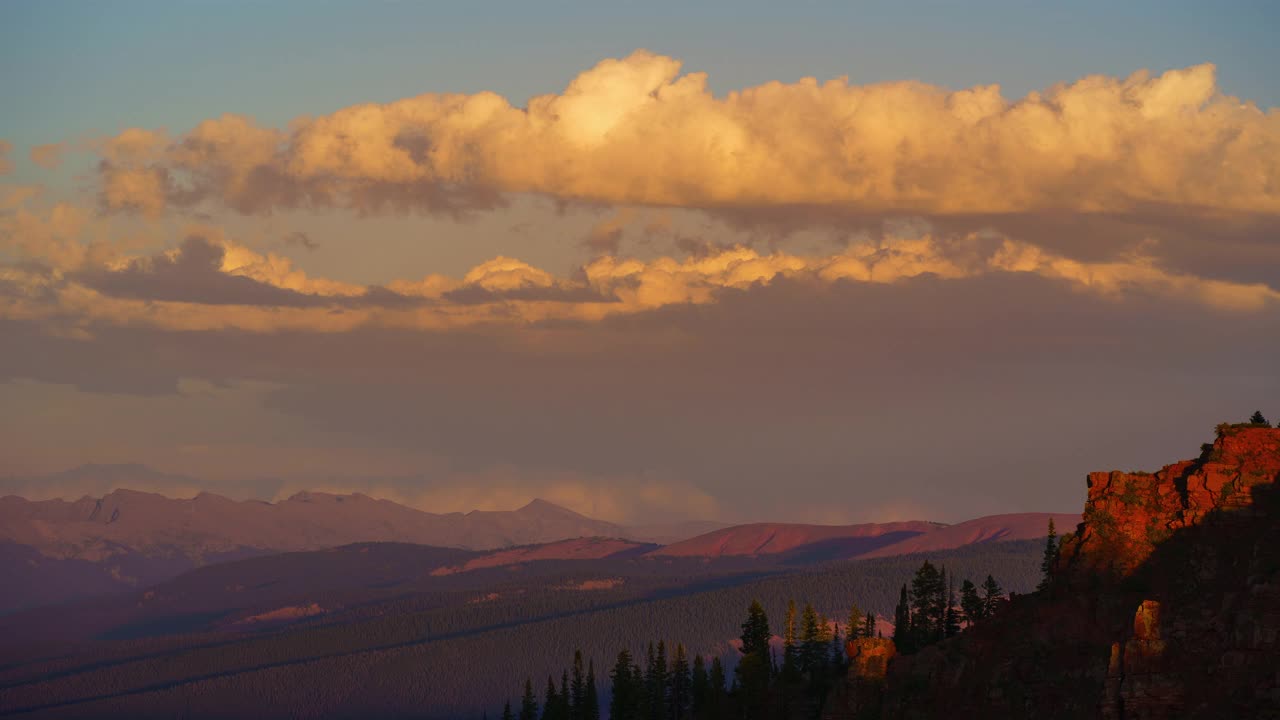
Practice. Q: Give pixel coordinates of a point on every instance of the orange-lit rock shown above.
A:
(1142, 681)
(869, 657)
(1128, 514)
(1165, 605)
(863, 689)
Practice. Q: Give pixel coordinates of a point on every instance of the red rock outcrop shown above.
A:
(1165, 604)
(1128, 514)
(1140, 681)
(861, 695)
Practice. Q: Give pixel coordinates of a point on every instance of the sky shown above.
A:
(829, 262)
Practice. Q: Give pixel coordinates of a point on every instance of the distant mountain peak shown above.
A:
(543, 507)
(317, 496)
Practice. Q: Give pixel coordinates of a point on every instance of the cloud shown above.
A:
(6, 165)
(635, 131)
(822, 391)
(48, 156)
(132, 178)
(210, 281)
(194, 273)
(62, 236)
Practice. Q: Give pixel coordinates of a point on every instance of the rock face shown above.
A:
(861, 695)
(1141, 679)
(1128, 514)
(1165, 604)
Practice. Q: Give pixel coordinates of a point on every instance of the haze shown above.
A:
(845, 265)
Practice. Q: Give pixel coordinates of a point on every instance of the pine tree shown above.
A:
(625, 703)
(811, 645)
(755, 631)
(1258, 419)
(951, 625)
(856, 621)
(578, 689)
(660, 684)
(869, 628)
(564, 709)
(951, 620)
(754, 669)
(591, 698)
(789, 650)
(971, 606)
(551, 703)
(529, 703)
(992, 596)
(928, 605)
(642, 691)
(646, 683)
(699, 687)
(680, 700)
(824, 636)
(717, 695)
(1050, 558)
(903, 634)
(506, 712)
(837, 647)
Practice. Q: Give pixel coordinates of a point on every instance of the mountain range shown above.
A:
(62, 550)
(1166, 579)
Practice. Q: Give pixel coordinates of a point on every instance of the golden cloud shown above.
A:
(634, 131)
(265, 293)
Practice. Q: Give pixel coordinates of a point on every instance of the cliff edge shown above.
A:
(1165, 603)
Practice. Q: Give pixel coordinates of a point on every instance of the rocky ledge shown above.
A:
(1165, 603)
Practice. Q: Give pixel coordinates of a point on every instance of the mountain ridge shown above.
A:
(131, 538)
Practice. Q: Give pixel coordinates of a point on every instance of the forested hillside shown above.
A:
(456, 653)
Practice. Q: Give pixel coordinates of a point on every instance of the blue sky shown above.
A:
(73, 68)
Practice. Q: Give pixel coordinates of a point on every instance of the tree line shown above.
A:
(929, 610)
(671, 684)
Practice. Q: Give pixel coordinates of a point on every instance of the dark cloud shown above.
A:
(193, 275)
(1235, 247)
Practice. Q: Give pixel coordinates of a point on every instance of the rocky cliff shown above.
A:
(1165, 603)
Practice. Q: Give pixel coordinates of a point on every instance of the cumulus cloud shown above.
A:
(62, 236)
(132, 176)
(636, 131)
